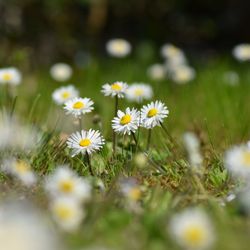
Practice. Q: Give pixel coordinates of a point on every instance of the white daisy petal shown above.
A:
(63, 94)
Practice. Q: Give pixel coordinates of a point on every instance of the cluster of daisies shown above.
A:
(175, 67)
(125, 122)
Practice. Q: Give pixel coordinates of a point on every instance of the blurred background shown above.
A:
(45, 31)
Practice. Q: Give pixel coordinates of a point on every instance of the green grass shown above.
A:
(218, 113)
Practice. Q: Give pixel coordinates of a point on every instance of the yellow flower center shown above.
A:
(138, 92)
(135, 193)
(152, 112)
(63, 212)
(194, 235)
(246, 158)
(78, 105)
(22, 167)
(116, 87)
(66, 186)
(7, 77)
(125, 119)
(119, 46)
(65, 95)
(84, 142)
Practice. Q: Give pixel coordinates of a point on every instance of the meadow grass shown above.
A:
(217, 112)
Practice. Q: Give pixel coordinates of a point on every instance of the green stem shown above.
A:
(149, 139)
(89, 164)
(114, 134)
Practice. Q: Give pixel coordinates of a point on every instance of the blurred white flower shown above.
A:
(171, 51)
(153, 114)
(139, 92)
(78, 106)
(63, 94)
(67, 213)
(65, 182)
(19, 169)
(23, 228)
(231, 78)
(182, 74)
(61, 72)
(126, 122)
(130, 189)
(192, 229)
(17, 137)
(192, 146)
(118, 47)
(85, 141)
(116, 89)
(11, 76)
(237, 160)
(242, 52)
(156, 71)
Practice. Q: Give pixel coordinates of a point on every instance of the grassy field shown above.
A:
(217, 112)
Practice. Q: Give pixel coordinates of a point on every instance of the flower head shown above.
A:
(65, 182)
(157, 71)
(118, 47)
(61, 72)
(237, 160)
(116, 89)
(78, 106)
(182, 74)
(63, 94)
(170, 51)
(242, 52)
(24, 228)
(11, 76)
(138, 92)
(153, 114)
(85, 141)
(130, 189)
(126, 122)
(192, 229)
(67, 213)
(19, 169)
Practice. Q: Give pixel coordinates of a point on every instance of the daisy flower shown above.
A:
(192, 229)
(16, 136)
(153, 114)
(156, 71)
(237, 160)
(170, 51)
(61, 72)
(183, 74)
(130, 189)
(126, 122)
(78, 106)
(67, 213)
(65, 182)
(63, 94)
(118, 48)
(85, 142)
(11, 76)
(242, 52)
(24, 228)
(138, 92)
(19, 169)
(116, 89)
